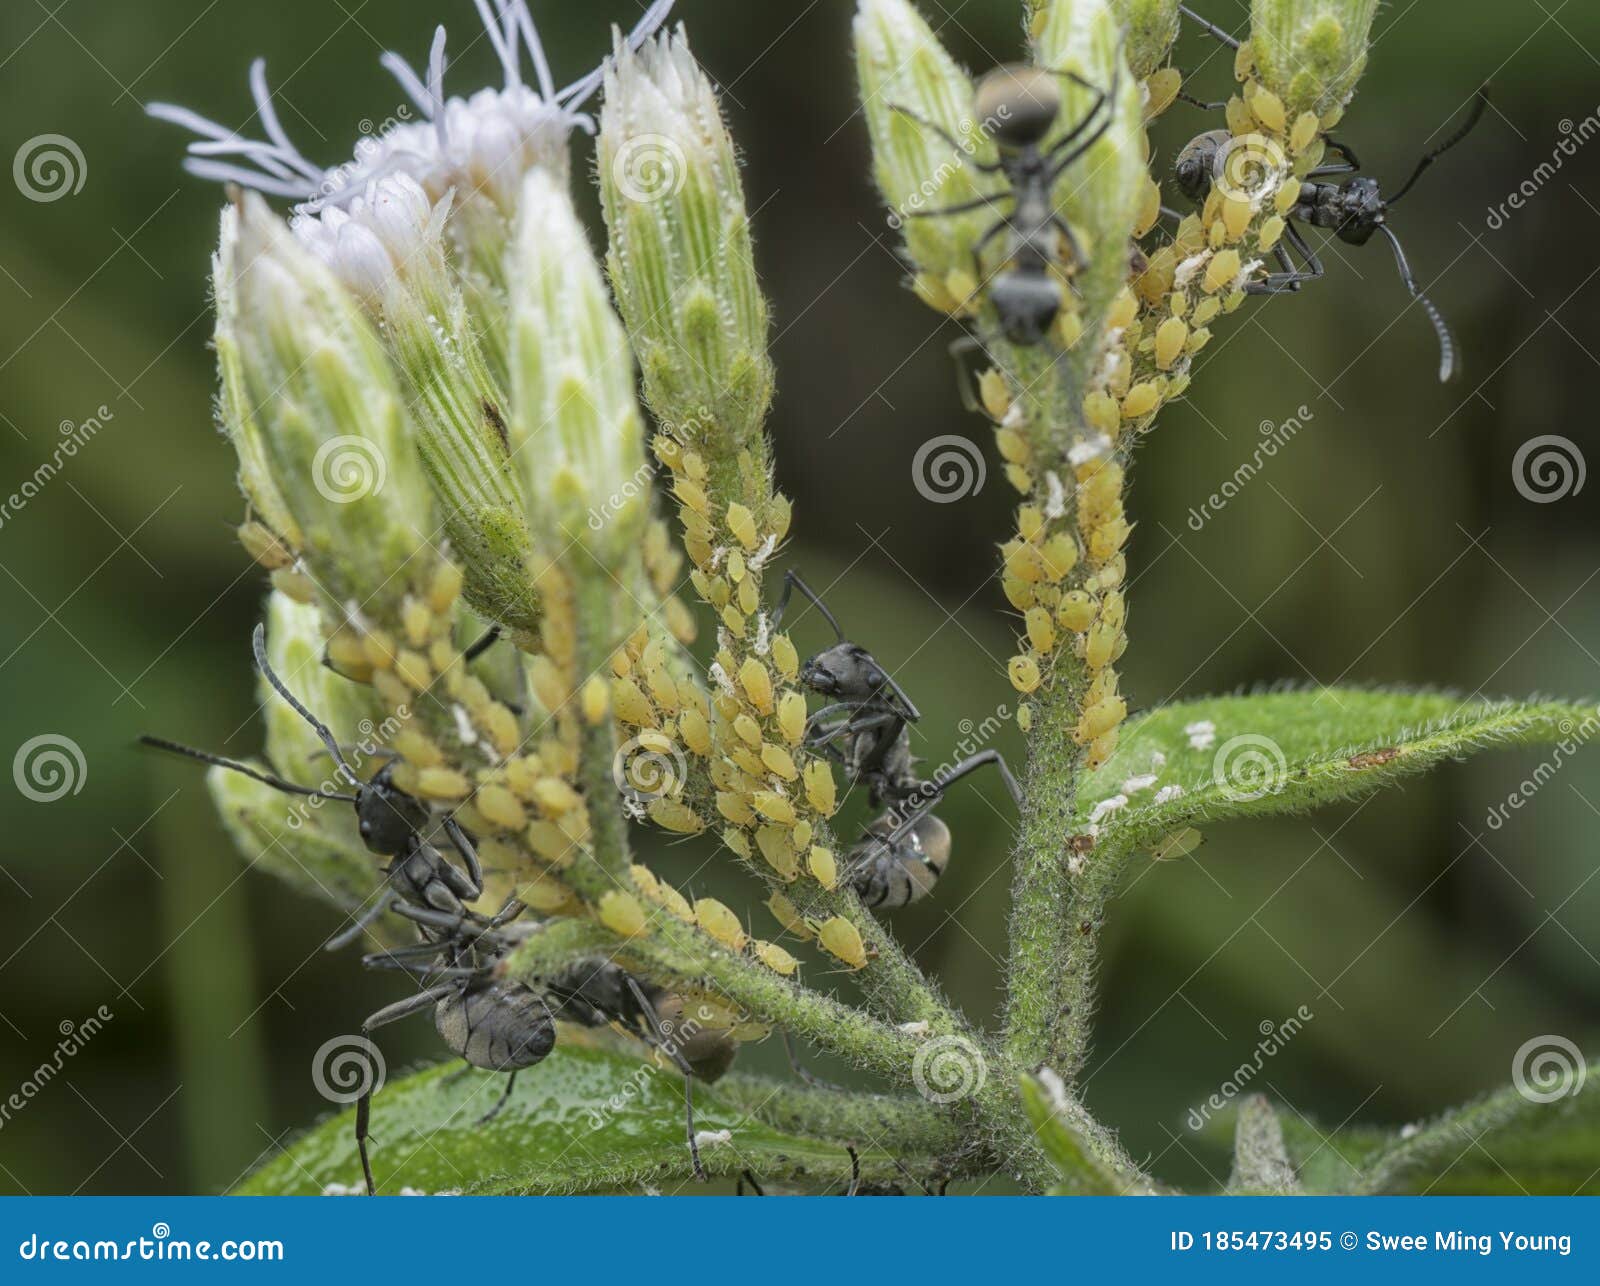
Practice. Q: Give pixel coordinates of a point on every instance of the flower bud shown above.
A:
(576, 432)
(909, 85)
(334, 433)
(1310, 53)
(1152, 26)
(680, 259)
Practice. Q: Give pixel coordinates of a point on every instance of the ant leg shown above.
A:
(1065, 229)
(855, 1172)
(810, 1078)
(676, 1055)
(469, 855)
(961, 207)
(505, 1097)
(360, 925)
(928, 793)
(1211, 29)
(792, 582)
(490, 637)
(985, 167)
(1291, 278)
(979, 760)
(1059, 167)
(388, 1014)
(745, 1177)
(959, 348)
(1201, 103)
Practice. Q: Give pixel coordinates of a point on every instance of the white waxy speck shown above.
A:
(1168, 793)
(713, 1138)
(1202, 734)
(1095, 448)
(1055, 505)
(919, 1028)
(1106, 807)
(1135, 784)
(1185, 272)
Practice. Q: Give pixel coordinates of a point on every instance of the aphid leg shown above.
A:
(800, 1070)
(360, 924)
(671, 1050)
(1211, 29)
(1480, 102)
(490, 637)
(792, 582)
(505, 1097)
(933, 127)
(388, 1014)
(1447, 344)
(469, 855)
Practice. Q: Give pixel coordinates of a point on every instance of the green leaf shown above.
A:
(1049, 1110)
(1289, 751)
(546, 1139)
(1504, 1143)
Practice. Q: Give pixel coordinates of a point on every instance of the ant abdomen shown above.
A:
(498, 1026)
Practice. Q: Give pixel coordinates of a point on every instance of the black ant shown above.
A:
(1023, 103)
(1353, 210)
(505, 1025)
(390, 821)
(866, 729)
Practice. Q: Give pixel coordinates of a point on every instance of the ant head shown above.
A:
(845, 670)
(388, 817)
(1363, 208)
(1027, 304)
(1196, 164)
(1018, 104)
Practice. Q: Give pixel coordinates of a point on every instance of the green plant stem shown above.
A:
(898, 1123)
(604, 865)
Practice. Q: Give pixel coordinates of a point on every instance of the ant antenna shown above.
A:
(258, 644)
(1447, 345)
(1480, 102)
(278, 783)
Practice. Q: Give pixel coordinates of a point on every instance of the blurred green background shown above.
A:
(1386, 544)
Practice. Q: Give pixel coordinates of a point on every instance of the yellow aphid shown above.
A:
(1020, 479)
(774, 807)
(1169, 341)
(1022, 561)
(1101, 411)
(679, 620)
(735, 566)
(1236, 214)
(748, 731)
(555, 797)
(1286, 198)
(663, 689)
(441, 783)
(742, 523)
(792, 717)
(784, 657)
(1141, 400)
(757, 684)
(737, 841)
(499, 807)
(695, 731)
(1205, 311)
(824, 870)
(1124, 308)
(416, 749)
(786, 914)
(417, 622)
(1069, 328)
(445, 588)
(1306, 128)
(1099, 646)
(1103, 688)
(749, 596)
(721, 923)
(1108, 538)
(773, 841)
(1162, 88)
(1176, 844)
(596, 700)
(1156, 280)
(1198, 340)
(646, 879)
(263, 545)
(1114, 609)
(380, 649)
(547, 896)
(1030, 521)
(675, 815)
(550, 842)
(1101, 749)
(821, 793)
(1234, 302)
(501, 725)
(1041, 633)
(1018, 592)
(779, 512)
(735, 807)
(842, 939)
(1077, 611)
(621, 913)
(1059, 555)
(348, 657)
(962, 287)
(1149, 208)
(692, 495)
(1271, 230)
(391, 690)
(1023, 672)
(996, 397)
(1099, 719)
(1221, 271)
(1025, 717)
(774, 957)
(749, 763)
(779, 762)
(733, 618)
(1244, 60)
(1013, 446)
(801, 835)
(631, 704)
(548, 683)
(1268, 109)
